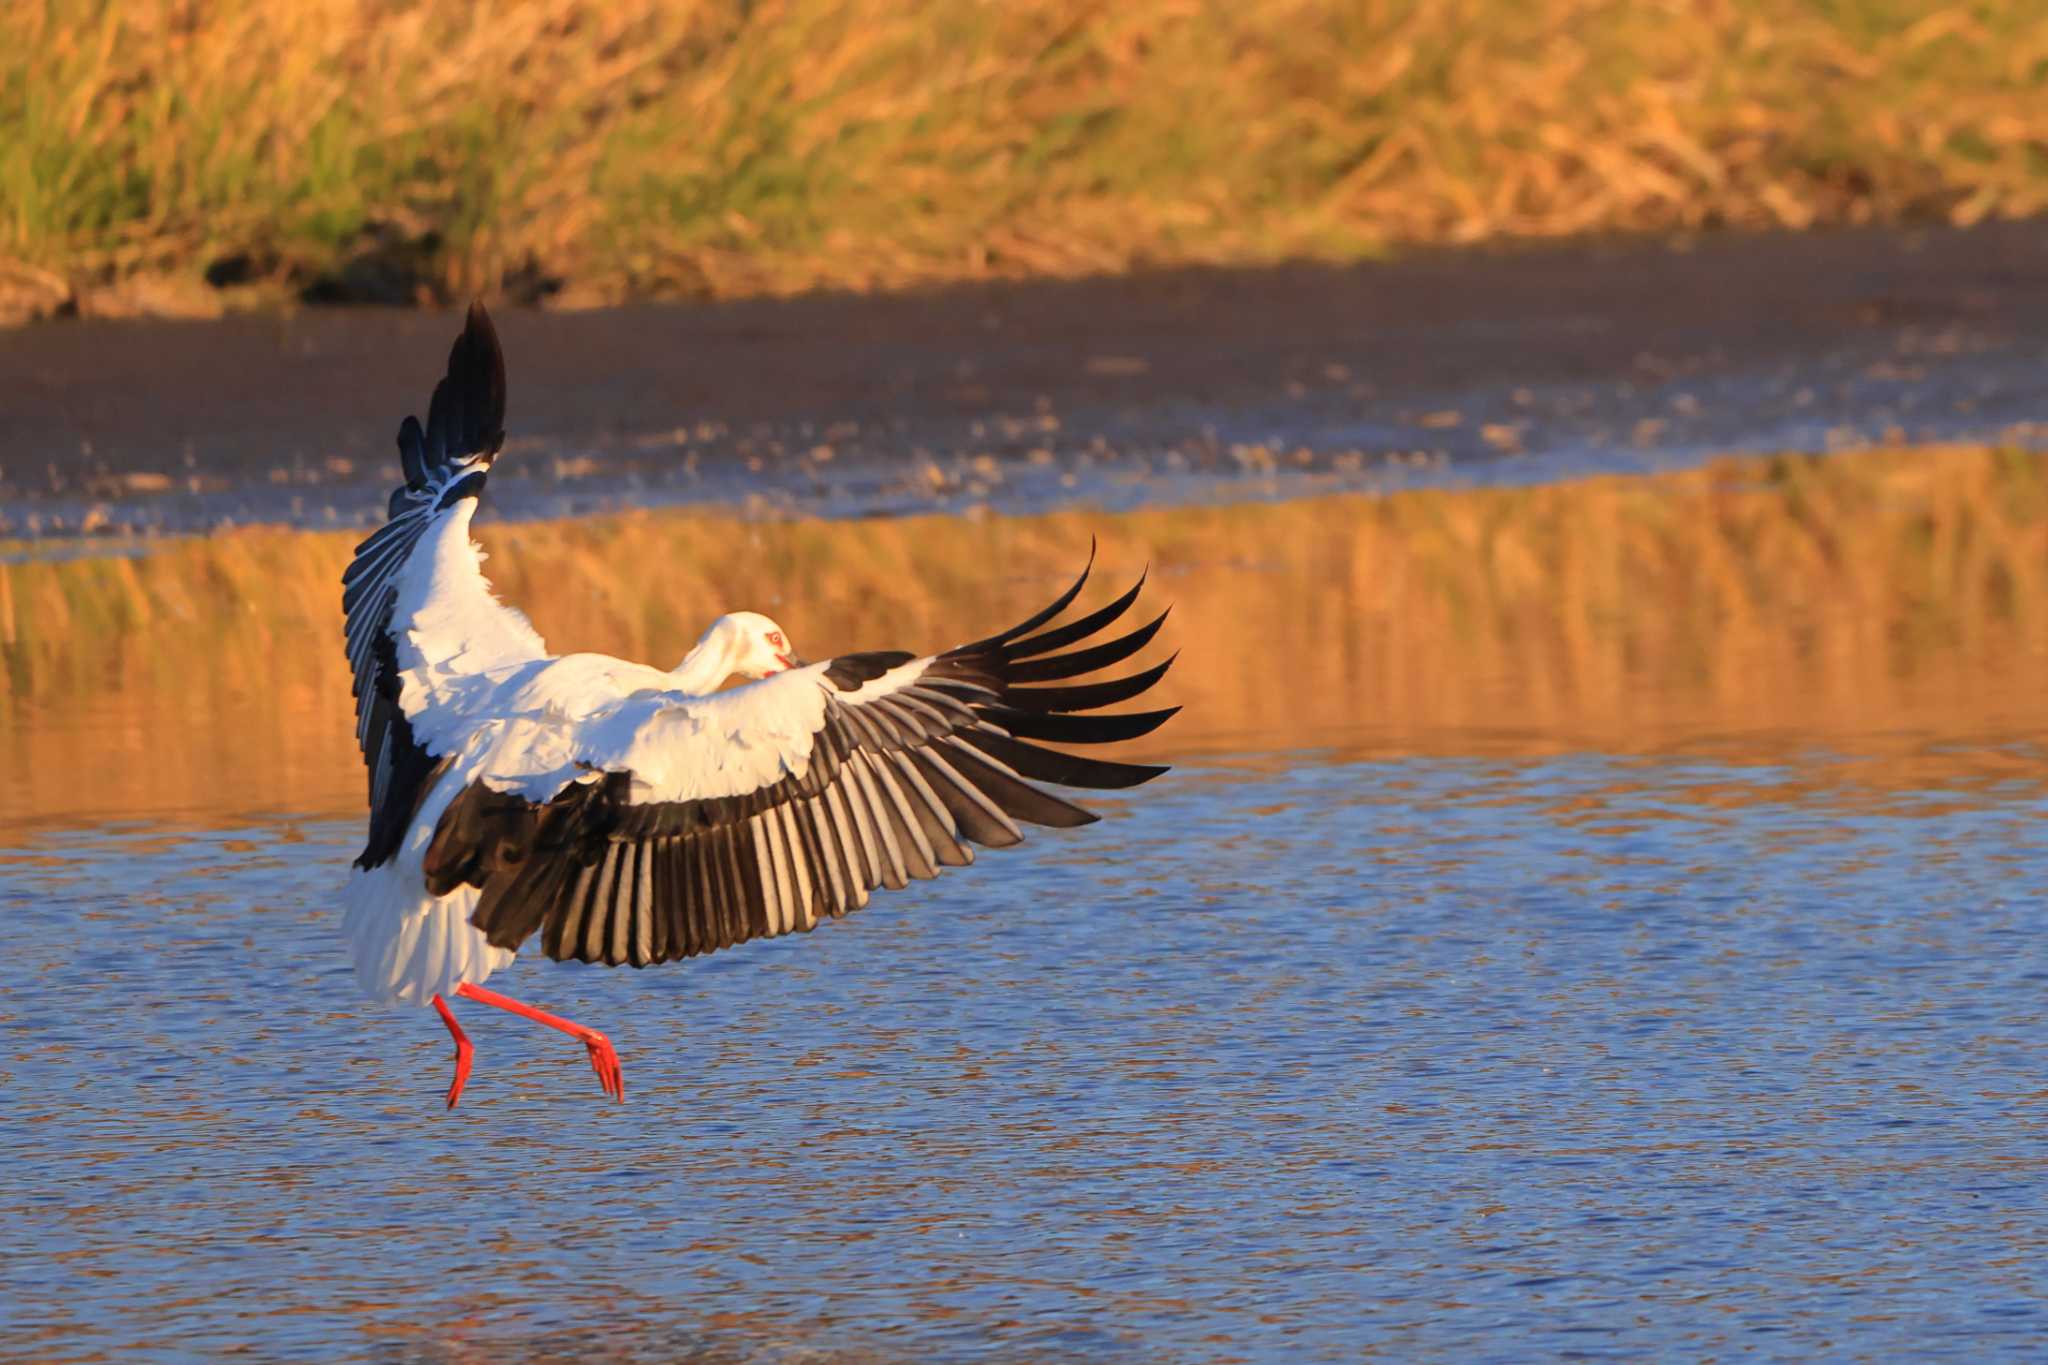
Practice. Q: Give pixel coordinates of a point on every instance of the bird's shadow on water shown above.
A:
(629, 1339)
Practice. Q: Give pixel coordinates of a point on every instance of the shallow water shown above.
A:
(1299, 1057)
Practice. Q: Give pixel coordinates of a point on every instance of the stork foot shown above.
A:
(605, 1062)
(463, 1051)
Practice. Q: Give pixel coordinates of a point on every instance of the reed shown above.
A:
(1825, 601)
(598, 149)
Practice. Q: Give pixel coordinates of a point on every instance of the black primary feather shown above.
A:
(443, 463)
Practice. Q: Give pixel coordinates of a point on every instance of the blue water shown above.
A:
(1287, 1060)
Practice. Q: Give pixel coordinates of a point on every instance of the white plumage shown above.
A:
(632, 814)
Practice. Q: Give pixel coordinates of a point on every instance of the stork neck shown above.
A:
(707, 665)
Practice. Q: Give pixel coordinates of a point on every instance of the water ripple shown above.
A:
(1289, 1060)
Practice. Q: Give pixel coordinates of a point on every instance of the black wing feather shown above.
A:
(443, 463)
(900, 785)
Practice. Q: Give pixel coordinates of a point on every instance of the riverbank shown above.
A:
(1169, 388)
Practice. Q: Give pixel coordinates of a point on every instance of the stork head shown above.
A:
(760, 647)
(742, 642)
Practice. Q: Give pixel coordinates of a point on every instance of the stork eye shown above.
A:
(775, 638)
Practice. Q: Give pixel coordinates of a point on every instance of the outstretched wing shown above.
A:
(759, 811)
(418, 569)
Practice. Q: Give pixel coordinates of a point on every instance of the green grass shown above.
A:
(607, 150)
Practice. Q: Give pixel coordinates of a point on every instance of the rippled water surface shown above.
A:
(1294, 1058)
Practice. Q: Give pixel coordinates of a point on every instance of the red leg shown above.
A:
(462, 1050)
(603, 1060)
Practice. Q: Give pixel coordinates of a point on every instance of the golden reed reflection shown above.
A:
(1878, 603)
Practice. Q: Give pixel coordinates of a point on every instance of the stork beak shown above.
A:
(789, 661)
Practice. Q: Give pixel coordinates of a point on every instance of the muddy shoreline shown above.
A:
(1182, 386)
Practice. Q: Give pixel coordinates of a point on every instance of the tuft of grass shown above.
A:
(1837, 600)
(594, 150)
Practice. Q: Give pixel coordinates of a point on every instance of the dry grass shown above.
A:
(442, 147)
(1826, 600)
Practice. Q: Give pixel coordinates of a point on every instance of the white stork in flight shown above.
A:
(632, 814)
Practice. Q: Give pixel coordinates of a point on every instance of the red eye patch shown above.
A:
(775, 638)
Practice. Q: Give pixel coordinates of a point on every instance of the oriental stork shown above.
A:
(631, 814)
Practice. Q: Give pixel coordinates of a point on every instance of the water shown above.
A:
(1301, 1057)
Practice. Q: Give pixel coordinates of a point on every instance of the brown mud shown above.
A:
(1170, 387)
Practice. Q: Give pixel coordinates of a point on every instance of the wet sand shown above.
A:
(1175, 386)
